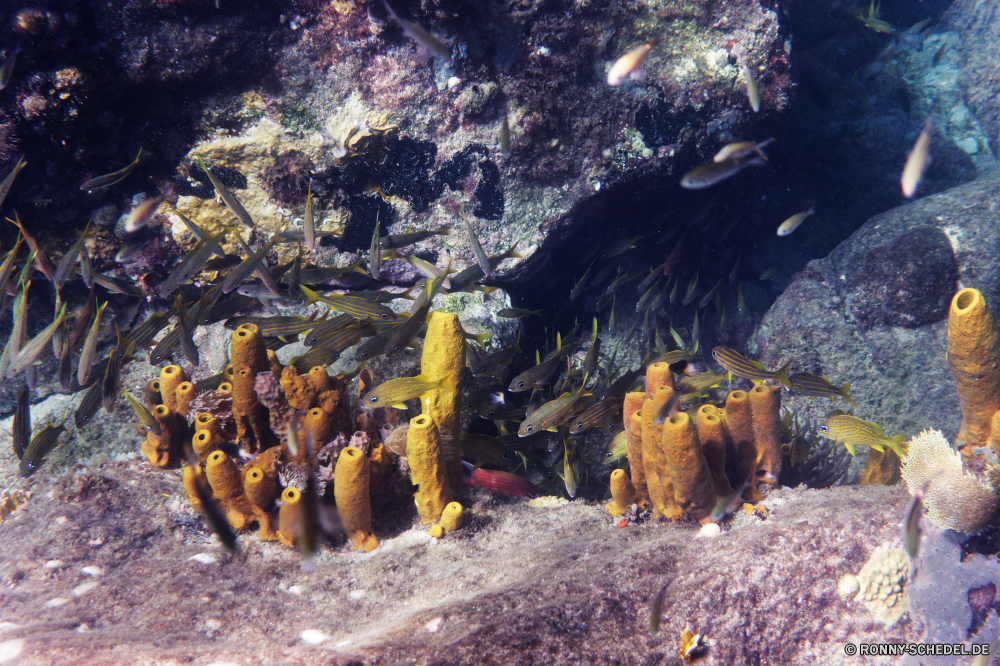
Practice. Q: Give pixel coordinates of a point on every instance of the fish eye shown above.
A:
(529, 428)
(520, 385)
(385, 316)
(824, 429)
(396, 348)
(336, 356)
(373, 399)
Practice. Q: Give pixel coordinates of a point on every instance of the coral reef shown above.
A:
(11, 500)
(956, 499)
(881, 584)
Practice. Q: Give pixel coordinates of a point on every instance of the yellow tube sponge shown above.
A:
(443, 357)
(247, 348)
(316, 424)
(654, 461)
(995, 432)
(227, 485)
(427, 468)
(765, 408)
(189, 477)
(253, 429)
(204, 443)
(633, 403)
(152, 393)
(170, 378)
(712, 436)
(657, 375)
(692, 480)
(451, 519)
(299, 393)
(350, 479)
(183, 395)
(974, 354)
(741, 459)
(622, 493)
(164, 449)
(288, 516)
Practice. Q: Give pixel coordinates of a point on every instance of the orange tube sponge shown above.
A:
(247, 348)
(170, 378)
(713, 439)
(316, 424)
(189, 477)
(427, 468)
(765, 408)
(350, 478)
(443, 357)
(974, 354)
(633, 403)
(693, 487)
(252, 427)
(153, 396)
(183, 395)
(299, 393)
(658, 480)
(319, 379)
(227, 485)
(288, 516)
(995, 432)
(741, 456)
(657, 375)
(622, 493)
(451, 519)
(204, 443)
(164, 449)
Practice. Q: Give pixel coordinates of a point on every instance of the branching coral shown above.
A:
(955, 499)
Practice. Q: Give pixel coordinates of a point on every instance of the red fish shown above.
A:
(502, 482)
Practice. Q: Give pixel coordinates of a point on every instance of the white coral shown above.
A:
(955, 499)
(881, 584)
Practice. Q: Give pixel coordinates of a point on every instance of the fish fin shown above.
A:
(850, 448)
(399, 405)
(446, 384)
(781, 374)
(896, 444)
(845, 393)
(311, 296)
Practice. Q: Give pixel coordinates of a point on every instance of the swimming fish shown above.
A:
(655, 610)
(396, 241)
(145, 417)
(309, 221)
(253, 263)
(477, 249)
(109, 179)
(792, 223)
(753, 94)
(65, 268)
(630, 64)
(407, 331)
(668, 409)
(553, 413)
(29, 353)
(375, 252)
(534, 376)
(395, 392)
(820, 387)
(742, 149)
(428, 43)
(216, 519)
(598, 414)
(89, 405)
(493, 363)
(741, 366)
(617, 448)
(8, 180)
(581, 283)
(504, 138)
(7, 68)
(699, 382)
(40, 446)
(355, 306)
(911, 531)
(230, 201)
(21, 426)
(917, 161)
(713, 173)
(89, 347)
(191, 264)
(496, 481)
(853, 432)
(518, 313)
(141, 214)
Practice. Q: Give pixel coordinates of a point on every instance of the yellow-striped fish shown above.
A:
(355, 306)
(820, 387)
(741, 366)
(617, 448)
(395, 392)
(553, 413)
(853, 432)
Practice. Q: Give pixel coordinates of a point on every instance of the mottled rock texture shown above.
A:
(873, 312)
(515, 586)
